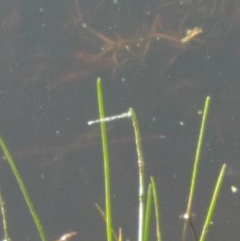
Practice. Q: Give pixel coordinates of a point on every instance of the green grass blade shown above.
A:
(106, 162)
(156, 208)
(148, 213)
(196, 163)
(197, 156)
(213, 202)
(23, 190)
(4, 218)
(141, 192)
(102, 213)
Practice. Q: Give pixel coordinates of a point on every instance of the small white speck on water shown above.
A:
(181, 123)
(84, 25)
(208, 57)
(55, 158)
(148, 13)
(185, 216)
(154, 118)
(234, 189)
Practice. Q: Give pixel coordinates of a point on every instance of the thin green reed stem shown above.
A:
(196, 161)
(156, 207)
(4, 218)
(213, 202)
(23, 190)
(197, 155)
(106, 162)
(148, 213)
(141, 191)
(102, 213)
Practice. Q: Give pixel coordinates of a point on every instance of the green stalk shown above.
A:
(196, 163)
(4, 218)
(140, 161)
(213, 202)
(156, 207)
(148, 213)
(197, 156)
(104, 218)
(106, 162)
(23, 190)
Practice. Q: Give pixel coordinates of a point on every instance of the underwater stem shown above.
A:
(106, 162)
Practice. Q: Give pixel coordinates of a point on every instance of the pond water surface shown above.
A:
(152, 57)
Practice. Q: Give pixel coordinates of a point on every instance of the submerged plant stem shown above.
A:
(197, 156)
(106, 162)
(23, 190)
(148, 213)
(141, 192)
(187, 215)
(213, 202)
(156, 207)
(4, 218)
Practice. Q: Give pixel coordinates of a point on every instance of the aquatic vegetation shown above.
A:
(145, 199)
(144, 214)
(4, 218)
(119, 50)
(122, 45)
(24, 190)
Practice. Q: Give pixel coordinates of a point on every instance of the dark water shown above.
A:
(49, 63)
